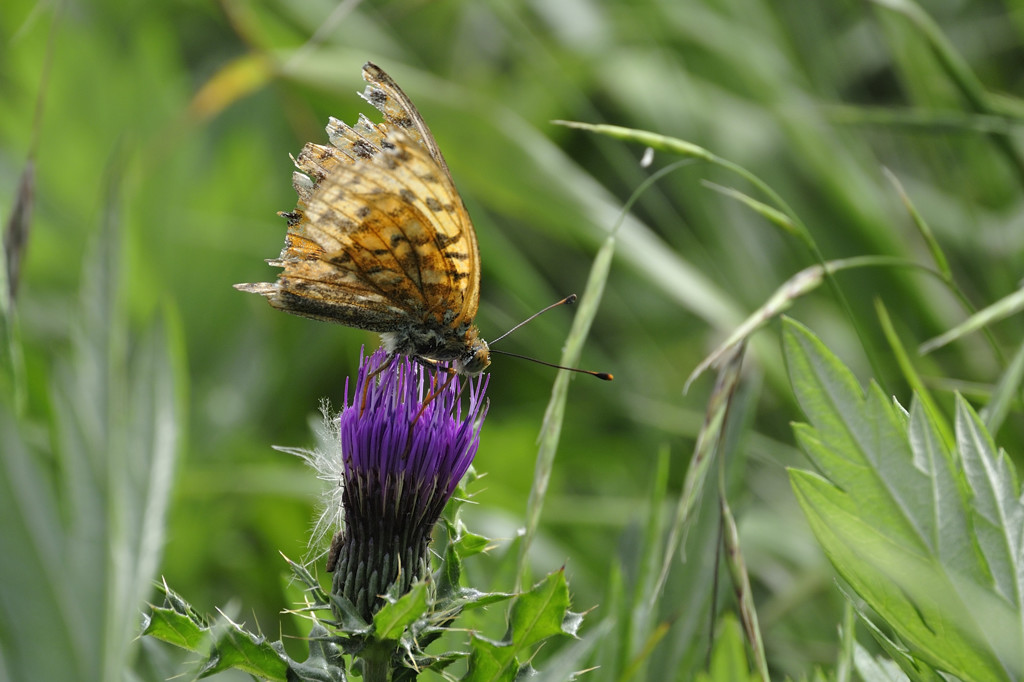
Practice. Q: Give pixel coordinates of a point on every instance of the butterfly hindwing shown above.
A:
(380, 239)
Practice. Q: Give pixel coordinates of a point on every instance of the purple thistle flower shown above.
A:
(405, 446)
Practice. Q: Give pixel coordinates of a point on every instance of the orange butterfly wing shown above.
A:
(380, 239)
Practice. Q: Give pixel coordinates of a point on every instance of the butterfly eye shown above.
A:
(476, 361)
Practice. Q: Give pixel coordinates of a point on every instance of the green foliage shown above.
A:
(223, 645)
(729, 656)
(926, 532)
(85, 483)
(833, 153)
(400, 631)
(536, 615)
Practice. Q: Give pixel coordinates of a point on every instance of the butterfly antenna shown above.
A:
(568, 300)
(604, 376)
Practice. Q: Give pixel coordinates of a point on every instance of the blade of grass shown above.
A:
(1001, 309)
(937, 254)
(801, 283)
(552, 424)
(911, 375)
(929, 120)
(799, 229)
(922, 226)
(962, 76)
(847, 639)
(704, 450)
(639, 618)
(741, 585)
(1007, 391)
(551, 428)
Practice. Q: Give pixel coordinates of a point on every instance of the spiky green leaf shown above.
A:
(928, 537)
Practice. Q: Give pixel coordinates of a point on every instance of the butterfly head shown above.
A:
(475, 360)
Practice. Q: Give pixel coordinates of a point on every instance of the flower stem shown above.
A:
(376, 670)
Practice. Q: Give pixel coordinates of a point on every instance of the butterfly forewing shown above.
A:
(384, 94)
(380, 239)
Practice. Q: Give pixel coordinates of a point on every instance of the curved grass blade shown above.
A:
(801, 283)
(963, 77)
(911, 375)
(708, 440)
(552, 424)
(1001, 309)
(1008, 390)
(551, 428)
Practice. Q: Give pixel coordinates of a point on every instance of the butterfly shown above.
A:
(380, 239)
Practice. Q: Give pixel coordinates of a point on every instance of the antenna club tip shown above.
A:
(570, 299)
(604, 376)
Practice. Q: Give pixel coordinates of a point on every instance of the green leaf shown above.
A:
(935, 559)
(914, 668)
(175, 628)
(468, 598)
(224, 644)
(490, 661)
(873, 669)
(448, 573)
(395, 616)
(997, 512)
(236, 648)
(469, 544)
(536, 615)
(729, 655)
(541, 612)
(324, 663)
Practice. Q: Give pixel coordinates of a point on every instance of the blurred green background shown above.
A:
(177, 119)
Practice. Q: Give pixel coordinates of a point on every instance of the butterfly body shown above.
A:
(380, 239)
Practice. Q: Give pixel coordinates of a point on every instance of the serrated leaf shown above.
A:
(858, 441)
(903, 586)
(896, 518)
(175, 628)
(997, 512)
(468, 598)
(526, 672)
(448, 573)
(324, 663)
(394, 617)
(470, 544)
(536, 615)
(224, 644)
(490, 661)
(914, 668)
(247, 652)
(540, 613)
(571, 623)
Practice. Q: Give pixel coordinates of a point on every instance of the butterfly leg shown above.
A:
(372, 375)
